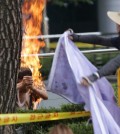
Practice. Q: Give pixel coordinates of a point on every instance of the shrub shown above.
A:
(76, 124)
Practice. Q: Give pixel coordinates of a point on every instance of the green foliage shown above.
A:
(100, 59)
(72, 107)
(77, 128)
(78, 125)
(81, 128)
(46, 63)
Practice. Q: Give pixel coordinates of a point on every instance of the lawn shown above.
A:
(79, 45)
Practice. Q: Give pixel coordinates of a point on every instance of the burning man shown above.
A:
(113, 64)
(28, 95)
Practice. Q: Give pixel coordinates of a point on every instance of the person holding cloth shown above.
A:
(110, 67)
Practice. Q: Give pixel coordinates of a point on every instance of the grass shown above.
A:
(79, 45)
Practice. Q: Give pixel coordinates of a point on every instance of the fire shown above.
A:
(32, 19)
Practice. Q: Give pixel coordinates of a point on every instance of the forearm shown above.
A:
(40, 93)
(110, 67)
(107, 69)
(99, 40)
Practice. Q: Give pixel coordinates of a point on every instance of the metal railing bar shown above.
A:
(58, 35)
(84, 51)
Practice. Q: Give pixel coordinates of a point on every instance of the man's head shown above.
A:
(24, 72)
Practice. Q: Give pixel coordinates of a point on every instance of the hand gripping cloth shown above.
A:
(68, 68)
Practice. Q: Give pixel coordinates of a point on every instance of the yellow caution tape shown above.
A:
(6, 119)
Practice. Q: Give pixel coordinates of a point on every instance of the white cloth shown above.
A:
(68, 68)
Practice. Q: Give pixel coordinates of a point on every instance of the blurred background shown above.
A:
(82, 16)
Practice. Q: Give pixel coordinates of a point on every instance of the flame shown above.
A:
(32, 21)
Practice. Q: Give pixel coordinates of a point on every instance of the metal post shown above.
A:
(118, 83)
(46, 28)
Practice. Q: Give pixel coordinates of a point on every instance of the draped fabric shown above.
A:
(68, 68)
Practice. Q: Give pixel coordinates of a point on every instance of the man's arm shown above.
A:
(95, 39)
(39, 93)
(107, 69)
(110, 67)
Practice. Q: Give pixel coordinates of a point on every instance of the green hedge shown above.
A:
(78, 125)
(46, 63)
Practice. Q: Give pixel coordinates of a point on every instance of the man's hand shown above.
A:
(87, 81)
(26, 83)
(70, 37)
(73, 37)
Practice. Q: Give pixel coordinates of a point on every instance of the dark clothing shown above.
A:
(110, 67)
(99, 40)
(113, 64)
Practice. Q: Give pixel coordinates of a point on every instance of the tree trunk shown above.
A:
(10, 48)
